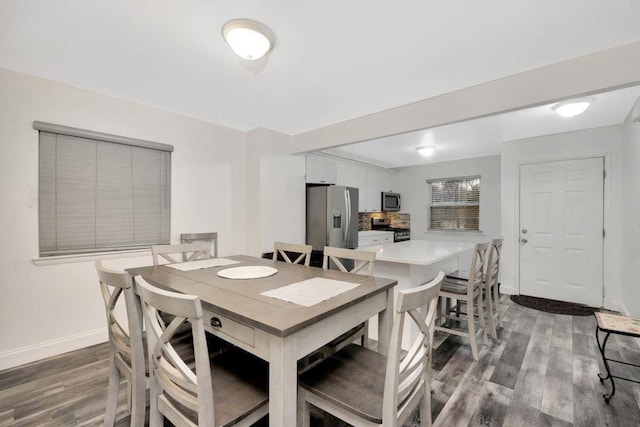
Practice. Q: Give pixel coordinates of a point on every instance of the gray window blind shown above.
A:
(101, 192)
(455, 204)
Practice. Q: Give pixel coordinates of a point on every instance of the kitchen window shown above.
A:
(100, 192)
(454, 204)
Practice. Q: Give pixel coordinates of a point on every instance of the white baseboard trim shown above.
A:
(20, 356)
(509, 290)
(624, 311)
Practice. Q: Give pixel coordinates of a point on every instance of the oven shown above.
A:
(399, 234)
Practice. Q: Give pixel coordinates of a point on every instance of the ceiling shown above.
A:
(484, 136)
(333, 60)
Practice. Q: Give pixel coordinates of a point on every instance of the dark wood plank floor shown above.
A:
(542, 371)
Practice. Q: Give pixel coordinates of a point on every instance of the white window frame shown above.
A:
(430, 204)
(131, 192)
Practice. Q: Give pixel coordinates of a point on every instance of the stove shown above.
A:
(399, 234)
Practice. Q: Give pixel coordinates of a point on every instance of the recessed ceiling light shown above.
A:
(572, 107)
(427, 150)
(249, 39)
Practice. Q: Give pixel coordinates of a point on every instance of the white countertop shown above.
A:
(418, 252)
(367, 233)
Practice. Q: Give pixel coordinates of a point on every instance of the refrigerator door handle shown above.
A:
(345, 229)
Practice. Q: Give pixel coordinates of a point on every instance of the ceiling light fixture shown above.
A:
(572, 107)
(249, 39)
(427, 151)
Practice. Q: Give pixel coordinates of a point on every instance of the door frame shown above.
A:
(607, 260)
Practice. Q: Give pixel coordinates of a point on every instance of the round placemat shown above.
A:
(247, 272)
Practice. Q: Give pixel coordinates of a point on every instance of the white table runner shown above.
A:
(202, 263)
(311, 292)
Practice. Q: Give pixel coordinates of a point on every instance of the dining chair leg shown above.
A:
(489, 300)
(472, 328)
(304, 411)
(112, 393)
(425, 404)
(481, 318)
(155, 417)
(496, 299)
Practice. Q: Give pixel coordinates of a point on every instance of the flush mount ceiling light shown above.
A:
(573, 107)
(427, 150)
(249, 39)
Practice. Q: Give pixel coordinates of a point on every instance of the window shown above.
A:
(100, 192)
(455, 204)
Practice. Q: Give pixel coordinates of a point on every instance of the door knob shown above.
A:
(524, 231)
(524, 240)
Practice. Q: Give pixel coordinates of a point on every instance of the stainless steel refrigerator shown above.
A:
(332, 217)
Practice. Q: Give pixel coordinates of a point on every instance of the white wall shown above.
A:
(276, 191)
(597, 72)
(604, 142)
(630, 223)
(413, 187)
(46, 310)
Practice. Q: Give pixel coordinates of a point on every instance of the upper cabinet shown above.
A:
(321, 170)
(348, 174)
(370, 180)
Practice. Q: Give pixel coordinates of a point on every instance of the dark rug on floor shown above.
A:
(553, 306)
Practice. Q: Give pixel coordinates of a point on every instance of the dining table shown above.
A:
(278, 311)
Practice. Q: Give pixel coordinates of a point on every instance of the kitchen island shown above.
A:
(413, 263)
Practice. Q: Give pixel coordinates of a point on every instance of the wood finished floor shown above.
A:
(540, 372)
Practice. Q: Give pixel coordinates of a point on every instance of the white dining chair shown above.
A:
(364, 388)
(300, 253)
(210, 237)
(489, 286)
(470, 291)
(363, 260)
(228, 390)
(126, 350)
(182, 252)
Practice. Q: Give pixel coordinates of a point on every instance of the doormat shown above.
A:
(553, 306)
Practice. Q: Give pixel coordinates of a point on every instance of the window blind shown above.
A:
(111, 193)
(455, 204)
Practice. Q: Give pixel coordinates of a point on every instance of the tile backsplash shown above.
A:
(396, 219)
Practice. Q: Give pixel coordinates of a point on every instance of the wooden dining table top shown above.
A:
(241, 299)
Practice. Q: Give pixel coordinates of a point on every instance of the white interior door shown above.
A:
(561, 230)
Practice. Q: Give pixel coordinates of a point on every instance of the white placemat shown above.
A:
(311, 292)
(247, 272)
(202, 263)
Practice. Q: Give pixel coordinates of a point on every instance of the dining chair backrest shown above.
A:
(283, 249)
(182, 252)
(126, 351)
(186, 396)
(493, 263)
(174, 380)
(211, 238)
(476, 271)
(408, 373)
(362, 259)
(364, 388)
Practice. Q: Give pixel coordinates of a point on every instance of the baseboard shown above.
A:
(20, 356)
(508, 290)
(624, 311)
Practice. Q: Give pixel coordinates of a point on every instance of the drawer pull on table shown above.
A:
(216, 323)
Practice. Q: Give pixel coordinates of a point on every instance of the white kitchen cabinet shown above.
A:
(348, 175)
(370, 181)
(321, 170)
(374, 188)
(389, 182)
(362, 185)
(374, 237)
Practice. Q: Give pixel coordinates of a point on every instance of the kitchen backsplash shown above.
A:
(396, 219)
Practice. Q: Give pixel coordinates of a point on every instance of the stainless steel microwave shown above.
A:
(390, 202)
